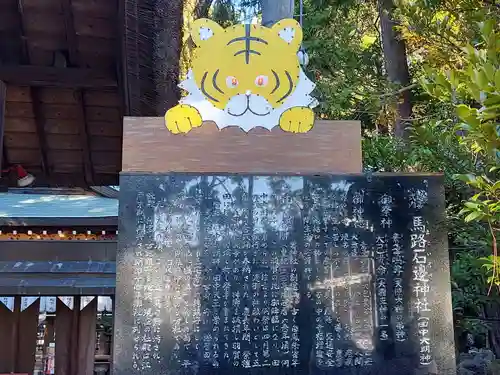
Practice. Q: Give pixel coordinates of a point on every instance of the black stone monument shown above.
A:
(241, 274)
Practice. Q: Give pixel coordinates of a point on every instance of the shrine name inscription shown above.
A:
(330, 274)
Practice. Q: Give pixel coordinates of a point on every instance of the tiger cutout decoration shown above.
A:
(245, 76)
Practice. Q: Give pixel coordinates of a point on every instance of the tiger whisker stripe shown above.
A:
(247, 52)
(214, 81)
(245, 38)
(277, 82)
(289, 89)
(203, 88)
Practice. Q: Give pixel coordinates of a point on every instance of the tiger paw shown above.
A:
(182, 118)
(297, 120)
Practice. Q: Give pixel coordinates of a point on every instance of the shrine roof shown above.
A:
(43, 209)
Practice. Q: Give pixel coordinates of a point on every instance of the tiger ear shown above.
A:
(290, 31)
(204, 29)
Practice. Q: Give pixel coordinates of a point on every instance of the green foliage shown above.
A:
(342, 41)
(224, 13)
(477, 85)
(432, 148)
(458, 135)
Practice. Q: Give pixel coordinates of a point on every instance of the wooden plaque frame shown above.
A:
(330, 147)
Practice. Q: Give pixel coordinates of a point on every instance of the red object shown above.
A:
(23, 178)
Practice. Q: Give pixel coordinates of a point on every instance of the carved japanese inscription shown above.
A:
(337, 275)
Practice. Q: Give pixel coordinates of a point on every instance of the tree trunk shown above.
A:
(492, 311)
(275, 10)
(202, 8)
(167, 52)
(396, 63)
(153, 37)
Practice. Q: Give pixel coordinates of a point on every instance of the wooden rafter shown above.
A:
(3, 99)
(84, 139)
(47, 76)
(25, 59)
(40, 129)
(71, 42)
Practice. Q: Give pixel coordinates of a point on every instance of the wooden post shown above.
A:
(27, 335)
(64, 318)
(75, 338)
(15, 332)
(86, 339)
(18, 331)
(7, 323)
(75, 333)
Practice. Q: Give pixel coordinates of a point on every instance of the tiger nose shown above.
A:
(248, 93)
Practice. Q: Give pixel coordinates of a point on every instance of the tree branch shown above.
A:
(400, 91)
(489, 2)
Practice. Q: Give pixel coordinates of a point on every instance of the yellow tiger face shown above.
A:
(246, 62)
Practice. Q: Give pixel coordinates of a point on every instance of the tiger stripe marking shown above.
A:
(290, 88)
(214, 81)
(248, 38)
(204, 91)
(277, 82)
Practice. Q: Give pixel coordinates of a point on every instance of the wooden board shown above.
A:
(7, 323)
(28, 327)
(330, 147)
(63, 327)
(18, 332)
(87, 339)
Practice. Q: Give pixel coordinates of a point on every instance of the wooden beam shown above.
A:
(26, 348)
(71, 42)
(37, 111)
(7, 323)
(63, 325)
(25, 58)
(36, 106)
(86, 339)
(3, 153)
(27, 75)
(3, 99)
(62, 251)
(84, 139)
(15, 332)
(73, 363)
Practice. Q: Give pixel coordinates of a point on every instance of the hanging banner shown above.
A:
(68, 301)
(8, 302)
(50, 304)
(27, 302)
(84, 301)
(245, 76)
(104, 304)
